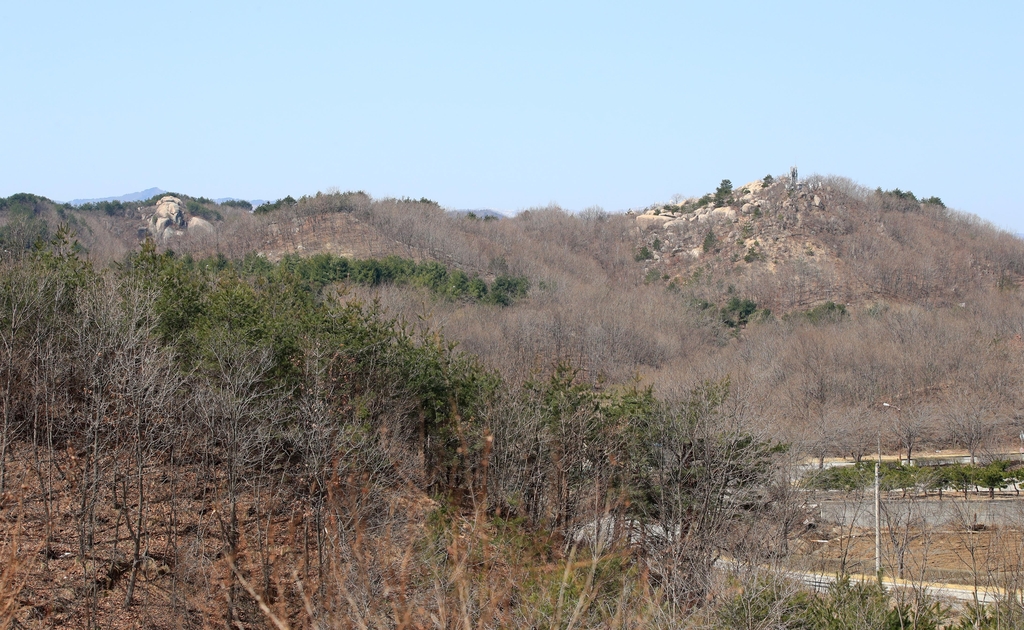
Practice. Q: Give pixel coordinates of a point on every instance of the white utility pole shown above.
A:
(878, 513)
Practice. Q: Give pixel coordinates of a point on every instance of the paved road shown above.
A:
(986, 595)
(821, 583)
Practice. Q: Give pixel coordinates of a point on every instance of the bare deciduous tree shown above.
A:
(969, 420)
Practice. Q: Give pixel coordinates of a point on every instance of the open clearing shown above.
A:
(971, 542)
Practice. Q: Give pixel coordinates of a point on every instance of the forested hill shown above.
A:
(782, 243)
(819, 295)
(336, 411)
(789, 244)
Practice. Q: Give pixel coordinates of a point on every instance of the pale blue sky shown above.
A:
(509, 106)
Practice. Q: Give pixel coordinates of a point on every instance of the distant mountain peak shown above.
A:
(142, 195)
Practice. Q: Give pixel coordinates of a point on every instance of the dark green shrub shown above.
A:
(109, 208)
(703, 201)
(1005, 613)
(827, 312)
(959, 477)
(238, 203)
(23, 204)
(846, 478)
(710, 242)
(321, 270)
(897, 476)
(994, 476)
(771, 602)
(723, 194)
(899, 200)
(766, 603)
(643, 254)
(277, 205)
(197, 209)
(851, 604)
(507, 289)
(737, 312)
(901, 194)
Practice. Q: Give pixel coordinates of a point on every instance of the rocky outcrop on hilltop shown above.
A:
(704, 209)
(754, 217)
(790, 243)
(170, 219)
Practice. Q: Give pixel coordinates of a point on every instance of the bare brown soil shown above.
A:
(955, 553)
(51, 577)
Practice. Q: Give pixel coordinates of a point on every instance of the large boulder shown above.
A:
(199, 225)
(170, 220)
(169, 217)
(648, 221)
(725, 212)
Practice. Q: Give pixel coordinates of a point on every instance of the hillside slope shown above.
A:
(790, 245)
(819, 296)
(202, 399)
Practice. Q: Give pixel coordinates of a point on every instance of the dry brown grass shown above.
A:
(394, 561)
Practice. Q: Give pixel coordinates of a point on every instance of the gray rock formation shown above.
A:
(198, 225)
(725, 212)
(648, 221)
(169, 218)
